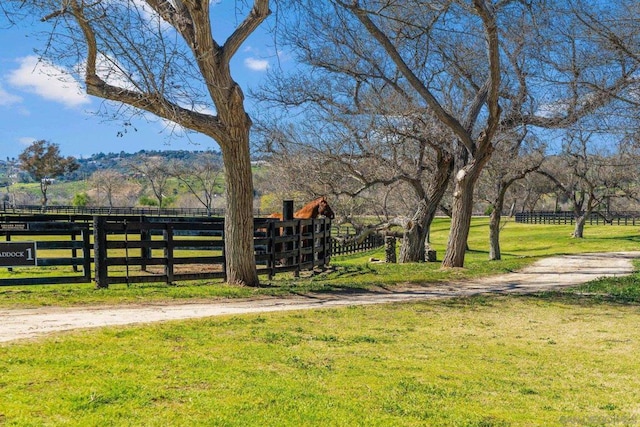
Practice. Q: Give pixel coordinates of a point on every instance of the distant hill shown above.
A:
(102, 161)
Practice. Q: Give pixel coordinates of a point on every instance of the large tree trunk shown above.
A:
(462, 209)
(45, 199)
(494, 232)
(238, 224)
(580, 215)
(581, 219)
(229, 126)
(416, 235)
(236, 157)
(412, 248)
(494, 224)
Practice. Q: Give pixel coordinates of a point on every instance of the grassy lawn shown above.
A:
(553, 359)
(483, 361)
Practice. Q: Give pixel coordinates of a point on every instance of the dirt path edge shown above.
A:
(546, 274)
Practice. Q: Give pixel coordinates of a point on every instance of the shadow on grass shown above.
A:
(631, 238)
(608, 290)
(582, 299)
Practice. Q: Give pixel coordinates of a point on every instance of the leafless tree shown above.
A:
(527, 193)
(514, 158)
(411, 48)
(589, 177)
(391, 27)
(155, 172)
(108, 183)
(376, 147)
(160, 57)
(536, 65)
(201, 178)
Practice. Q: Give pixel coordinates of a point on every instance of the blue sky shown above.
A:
(34, 106)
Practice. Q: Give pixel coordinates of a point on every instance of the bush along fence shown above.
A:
(568, 217)
(139, 249)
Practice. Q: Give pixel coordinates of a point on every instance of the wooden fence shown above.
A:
(160, 249)
(58, 244)
(114, 211)
(568, 217)
(372, 241)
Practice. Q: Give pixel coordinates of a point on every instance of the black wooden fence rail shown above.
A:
(372, 241)
(568, 218)
(114, 211)
(134, 251)
(57, 245)
(138, 249)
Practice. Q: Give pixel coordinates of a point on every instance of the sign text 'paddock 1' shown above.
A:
(17, 254)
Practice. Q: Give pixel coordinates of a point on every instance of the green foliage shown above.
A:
(270, 203)
(81, 200)
(145, 200)
(168, 201)
(42, 159)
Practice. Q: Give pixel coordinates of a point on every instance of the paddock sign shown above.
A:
(17, 254)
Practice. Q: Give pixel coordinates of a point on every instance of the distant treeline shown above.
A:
(102, 161)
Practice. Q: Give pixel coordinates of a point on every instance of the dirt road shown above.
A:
(550, 273)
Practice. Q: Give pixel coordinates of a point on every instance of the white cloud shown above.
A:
(48, 81)
(26, 140)
(284, 56)
(146, 12)
(7, 99)
(249, 49)
(174, 128)
(256, 64)
(110, 71)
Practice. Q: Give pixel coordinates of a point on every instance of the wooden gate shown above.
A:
(137, 251)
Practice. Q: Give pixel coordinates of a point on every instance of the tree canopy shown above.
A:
(43, 161)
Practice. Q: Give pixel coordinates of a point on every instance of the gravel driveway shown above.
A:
(546, 274)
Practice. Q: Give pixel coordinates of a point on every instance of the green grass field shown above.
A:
(496, 361)
(554, 359)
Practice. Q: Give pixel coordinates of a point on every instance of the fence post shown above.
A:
(86, 254)
(323, 250)
(390, 249)
(327, 242)
(298, 231)
(145, 249)
(313, 243)
(224, 254)
(287, 210)
(100, 252)
(167, 235)
(74, 251)
(287, 215)
(271, 234)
